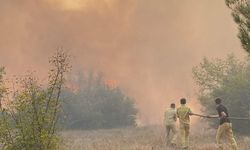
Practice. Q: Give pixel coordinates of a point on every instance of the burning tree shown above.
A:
(29, 121)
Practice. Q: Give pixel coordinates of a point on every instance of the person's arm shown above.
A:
(190, 112)
(223, 114)
(216, 116)
(175, 116)
(213, 116)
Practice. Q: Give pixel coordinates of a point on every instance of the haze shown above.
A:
(148, 47)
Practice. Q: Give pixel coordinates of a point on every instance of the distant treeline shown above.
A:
(94, 104)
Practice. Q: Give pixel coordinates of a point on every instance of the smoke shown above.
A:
(147, 47)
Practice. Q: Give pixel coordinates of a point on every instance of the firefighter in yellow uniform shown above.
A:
(183, 113)
(225, 127)
(170, 124)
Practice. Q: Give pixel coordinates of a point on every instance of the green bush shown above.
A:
(96, 105)
(28, 121)
(228, 79)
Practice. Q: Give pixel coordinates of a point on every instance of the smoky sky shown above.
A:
(148, 47)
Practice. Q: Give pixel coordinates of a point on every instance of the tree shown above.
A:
(96, 105)
(241, 14)
(228, 79)
(29, 119)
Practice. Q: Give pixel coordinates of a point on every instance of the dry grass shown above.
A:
(143, 138)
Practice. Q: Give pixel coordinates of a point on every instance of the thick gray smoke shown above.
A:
(148, 47)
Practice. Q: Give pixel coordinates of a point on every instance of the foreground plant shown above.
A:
(28, 121)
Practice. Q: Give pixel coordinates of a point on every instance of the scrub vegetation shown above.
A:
(29, 110)
(96, 104)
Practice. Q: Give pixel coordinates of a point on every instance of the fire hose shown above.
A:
(233, 118)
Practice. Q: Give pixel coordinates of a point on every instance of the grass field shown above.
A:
(140, 138)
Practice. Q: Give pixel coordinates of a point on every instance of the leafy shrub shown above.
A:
(29, 119)
(97, 105)
(228, 79)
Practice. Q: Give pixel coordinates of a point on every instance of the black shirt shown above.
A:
(221, 109)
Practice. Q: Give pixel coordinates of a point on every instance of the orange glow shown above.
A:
(80, 4)
(70, 4)
(111, 84)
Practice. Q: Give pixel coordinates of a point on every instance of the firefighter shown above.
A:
(183, 113)
(170, 124)
(225, 127)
